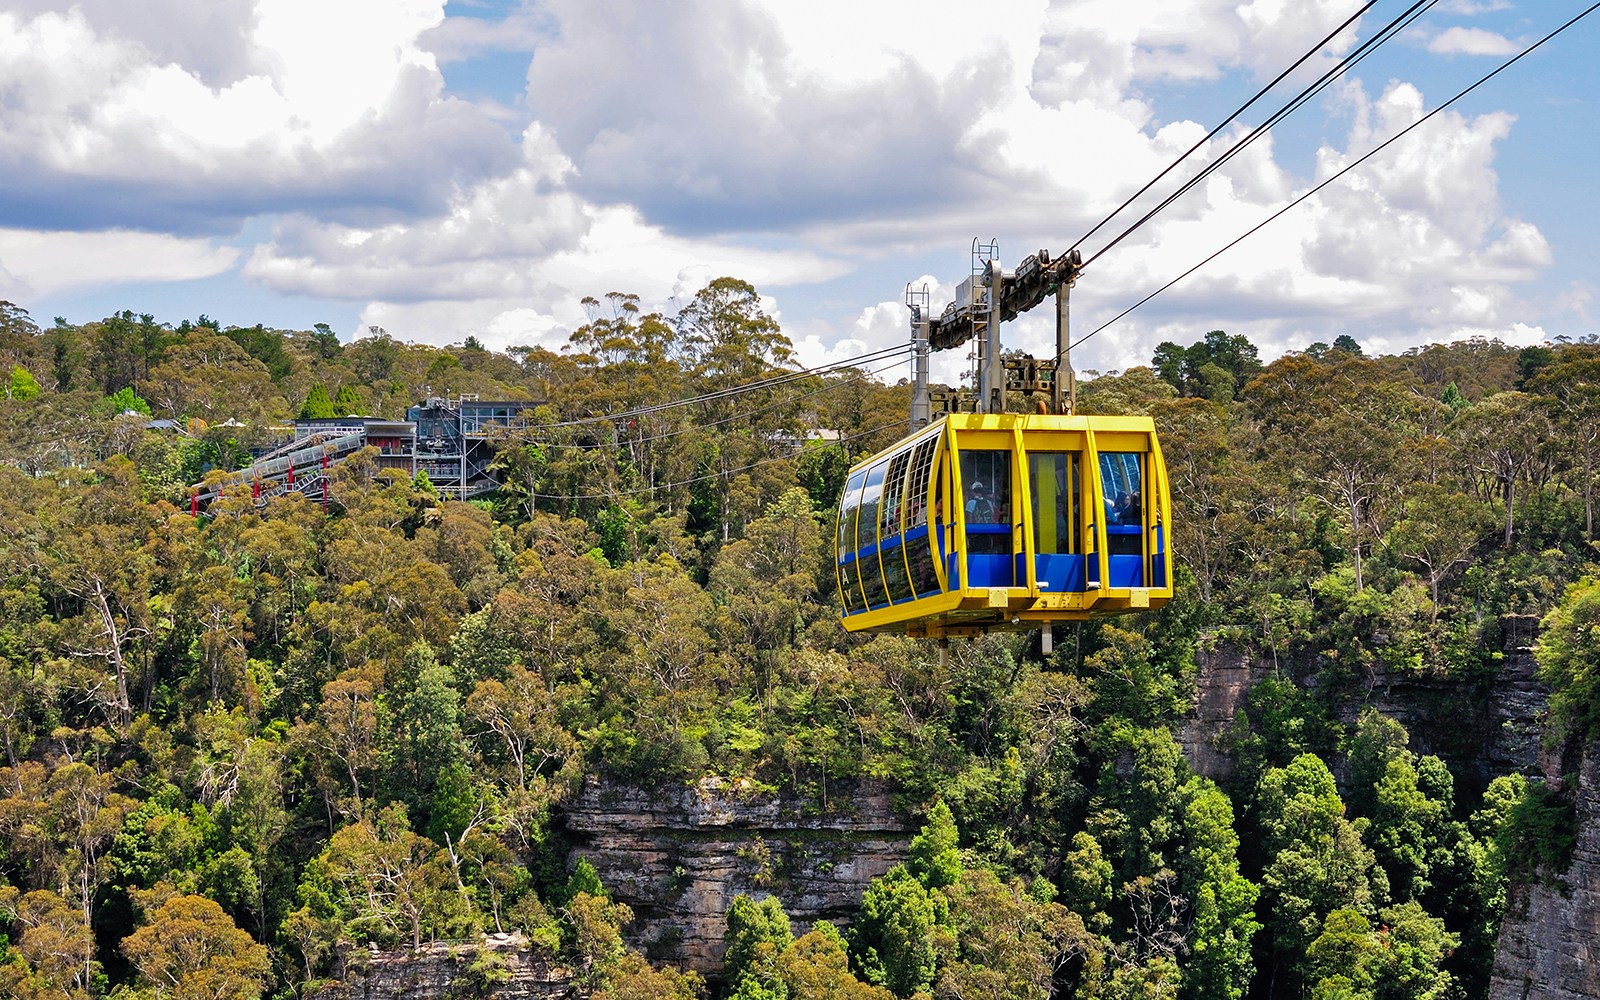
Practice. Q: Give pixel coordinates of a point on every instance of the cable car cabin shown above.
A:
(985, 522)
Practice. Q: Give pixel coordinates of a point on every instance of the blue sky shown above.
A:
(476, 168)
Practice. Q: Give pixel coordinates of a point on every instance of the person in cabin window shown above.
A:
(1129, 510)
(981, 508)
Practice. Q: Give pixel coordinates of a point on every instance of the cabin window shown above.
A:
(1123, 483)
(917, 487)
(848, 503)
(920, 542)
(1057, 525)
(986, 490)
(893, 494)
(867, 536)
(871, 495)
(986, 482)
(1121, 477)
(849, 575)
(891, 512)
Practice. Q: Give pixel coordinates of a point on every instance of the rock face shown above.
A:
(500, 967)
(1482, 729)
(1550, 939)
(679, 855)
(1225, 677)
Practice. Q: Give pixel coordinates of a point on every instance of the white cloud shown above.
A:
(1472, 42)
(1472, 8)
(712, 119)
(457, 39)
(35, 264)
(332, 102)
(790, 145)
(1578, 299)
(1103, 50)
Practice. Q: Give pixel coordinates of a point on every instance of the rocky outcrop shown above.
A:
(679, 855)
(1550, 938)
(1226, 675)
(1483, 728)
(500, 967)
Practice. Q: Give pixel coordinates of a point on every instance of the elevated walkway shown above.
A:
(300, 466)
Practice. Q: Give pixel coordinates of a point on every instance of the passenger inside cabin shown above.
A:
(981, 509)
(1129, 510)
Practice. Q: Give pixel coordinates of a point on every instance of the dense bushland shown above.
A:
(263, 735)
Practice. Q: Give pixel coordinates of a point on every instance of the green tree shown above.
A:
(1376, 742)
(755, 929)
(1406, 829)
(1086, 877)
(348, 402)
(266, 346)
(630, 977)
(817, 967)
(190, 950)
(391, 885)
(427, 721)
(1505, 439)
(935, 853)
(125, 400)
(1317, 861)
(317, 405)
(901, 932)
(1571, 390)
(1568, 653)
(1222, 900)
(21, 384)
(1216, 367)
(54, 939)
(1009, 945)
(1439, 531)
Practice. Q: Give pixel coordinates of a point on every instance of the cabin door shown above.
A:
(986, 505)
(1056, 478)
(1122, 483)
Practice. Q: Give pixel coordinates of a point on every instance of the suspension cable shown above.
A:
(1371, 45)
(834, 387)
(1225, 123)
(1351, 166)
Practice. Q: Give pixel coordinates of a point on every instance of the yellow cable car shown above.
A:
(984, 522)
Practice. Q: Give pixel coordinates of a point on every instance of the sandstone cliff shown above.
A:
(679, 855)
(501, 966)
(1483, 730)
(1550, 938)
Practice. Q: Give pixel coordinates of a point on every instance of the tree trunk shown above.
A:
(115, 637)
(1355, 539)
(1510, 494)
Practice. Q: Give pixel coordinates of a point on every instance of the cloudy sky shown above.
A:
(478, 167)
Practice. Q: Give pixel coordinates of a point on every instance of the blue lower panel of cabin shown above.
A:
(1126, 571)
(1061, 574)
(1158, 564)
(990, 562)
(1125, 555)
(990, 571)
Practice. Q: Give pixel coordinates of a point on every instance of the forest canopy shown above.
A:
(277, 730)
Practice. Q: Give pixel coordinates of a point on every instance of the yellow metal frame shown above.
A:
(968, 610)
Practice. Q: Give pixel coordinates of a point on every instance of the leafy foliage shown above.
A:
(285, 729)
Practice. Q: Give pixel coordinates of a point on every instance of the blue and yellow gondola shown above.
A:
(987, 522)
